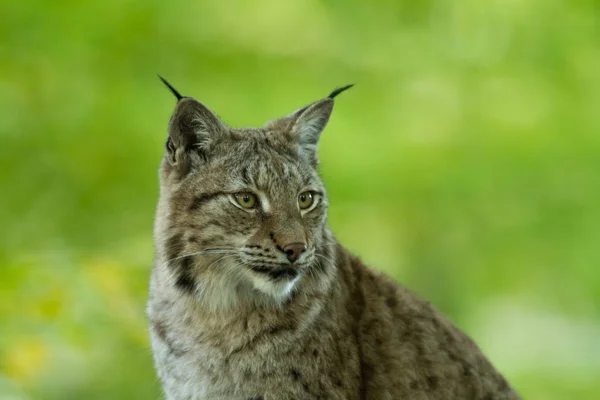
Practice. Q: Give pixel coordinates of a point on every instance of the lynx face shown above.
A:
(242, 211)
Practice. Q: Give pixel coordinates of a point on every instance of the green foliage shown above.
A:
(464, 163)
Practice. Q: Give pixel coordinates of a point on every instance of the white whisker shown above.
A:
(204, 252)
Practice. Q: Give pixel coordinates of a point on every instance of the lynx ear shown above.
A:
(191, 129)
(309, 124)
(310, 121)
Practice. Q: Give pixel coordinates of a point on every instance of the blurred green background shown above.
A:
(465, 163)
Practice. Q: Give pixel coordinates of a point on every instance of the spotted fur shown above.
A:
(231, 317)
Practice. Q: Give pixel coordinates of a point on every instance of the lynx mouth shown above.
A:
(277, 273)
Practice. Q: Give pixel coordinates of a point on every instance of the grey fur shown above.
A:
(232, 318)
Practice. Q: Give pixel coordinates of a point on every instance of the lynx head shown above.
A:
(242, 214)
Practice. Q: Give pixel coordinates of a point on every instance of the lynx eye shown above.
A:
(246, 199)
(305, 200)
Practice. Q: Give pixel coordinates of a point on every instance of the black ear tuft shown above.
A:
(171, 88)
(339, 90)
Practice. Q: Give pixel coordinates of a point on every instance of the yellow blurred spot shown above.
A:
(25, 359)
(50, 306)
(109, 277)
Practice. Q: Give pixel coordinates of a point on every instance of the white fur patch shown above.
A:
(264, 201)
(278, 290)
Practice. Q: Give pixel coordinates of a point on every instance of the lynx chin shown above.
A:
(251, 296)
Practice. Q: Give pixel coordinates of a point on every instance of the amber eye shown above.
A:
(246, 199)
(305, 200)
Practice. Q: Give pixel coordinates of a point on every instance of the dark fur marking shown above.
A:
(200, 200)
(315, 352)
(366, 374)
(277, 329)
(174, 246)
(295, 374)
(267, 374)
(257, 398)
(283, 273)
(185, 282)
(432, 381)
(267, 141)
(449, 338)
(300, 111)
(420, 349)
(276, 273)
(414, 385)
(220, 224)
(160, 329)
(305, 387)
(217, 238)
(467, 370)
(246, 177)
(391, 301)
(452, 357)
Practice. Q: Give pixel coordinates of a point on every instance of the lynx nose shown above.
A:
(293, 250)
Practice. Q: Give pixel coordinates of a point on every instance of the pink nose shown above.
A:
(294, 250)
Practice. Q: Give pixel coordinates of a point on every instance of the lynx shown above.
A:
(251, 296)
